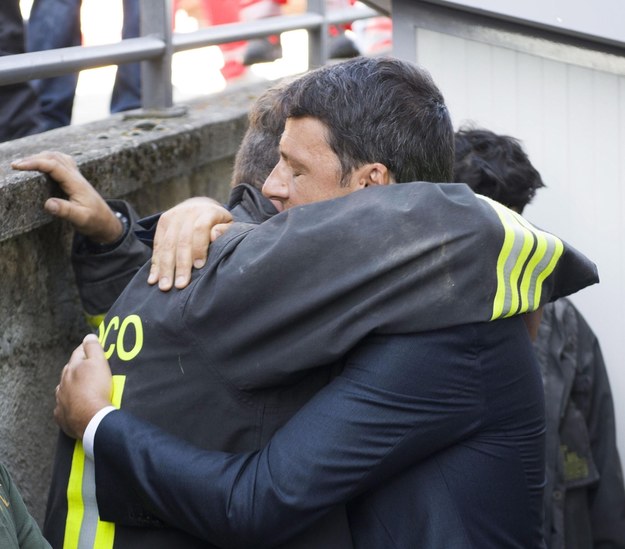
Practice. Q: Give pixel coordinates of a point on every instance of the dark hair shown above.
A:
(258, 153)
(380, 110)
(495, 166)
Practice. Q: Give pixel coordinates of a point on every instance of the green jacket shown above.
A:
(17, 528)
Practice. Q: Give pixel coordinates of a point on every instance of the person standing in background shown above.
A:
(19, 106)
(56, 24)
(584, 498)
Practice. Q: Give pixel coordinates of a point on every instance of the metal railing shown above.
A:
(157, 44)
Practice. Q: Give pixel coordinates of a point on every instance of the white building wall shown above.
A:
(571, 121)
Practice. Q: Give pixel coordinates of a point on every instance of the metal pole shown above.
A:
(156, 86)
(318, 38)
(44, 64)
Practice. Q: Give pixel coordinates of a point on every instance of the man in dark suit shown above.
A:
(432, 399)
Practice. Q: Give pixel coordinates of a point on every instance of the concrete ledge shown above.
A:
(124, 153)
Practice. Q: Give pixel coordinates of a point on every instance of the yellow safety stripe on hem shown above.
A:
(105, 531)
(104, 535)
(75, 504)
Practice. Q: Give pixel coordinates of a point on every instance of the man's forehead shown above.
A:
(305, 130)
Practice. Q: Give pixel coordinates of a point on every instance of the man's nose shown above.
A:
(275, 185)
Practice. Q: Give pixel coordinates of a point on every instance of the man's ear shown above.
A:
(376, 174)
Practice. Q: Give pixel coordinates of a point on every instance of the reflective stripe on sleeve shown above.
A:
(527, 257)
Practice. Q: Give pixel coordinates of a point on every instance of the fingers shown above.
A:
(85, 209)
(94, 220)
(77, 356)
(45, 161)
(92, 348)
(161, 270)
(219, 230)
(85, 387)
(62, 209)
(184, 254)
(153, 276)
(89, 351)
(59, 166)
(192, 247)
(182, 239)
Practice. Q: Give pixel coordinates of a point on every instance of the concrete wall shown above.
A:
(152, 162)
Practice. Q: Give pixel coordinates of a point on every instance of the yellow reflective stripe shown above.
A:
(105, 531)
(511, 296)
(515, 274)
(95, 320)
(506, 249)
(526, 284)
(548, 251)
(103, 334)
(559, 250)
(507, 293)
(520, 238)
(104, 535)
(75, 505)
(118, 391)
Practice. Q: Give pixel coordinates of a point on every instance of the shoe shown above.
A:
(262, 50)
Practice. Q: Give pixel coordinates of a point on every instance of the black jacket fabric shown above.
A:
(228, 360)
(584, 497)
(434, 440)
(102, 276)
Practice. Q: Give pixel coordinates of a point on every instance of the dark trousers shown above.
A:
(19, 108)
(56, 24)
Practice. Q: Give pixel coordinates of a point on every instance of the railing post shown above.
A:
(318, 38)
(156, 86)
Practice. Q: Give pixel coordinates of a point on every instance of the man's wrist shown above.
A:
(88, 438)
(89, 245)
(110, 244)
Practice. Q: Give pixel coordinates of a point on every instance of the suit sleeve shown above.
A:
(399, 400)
